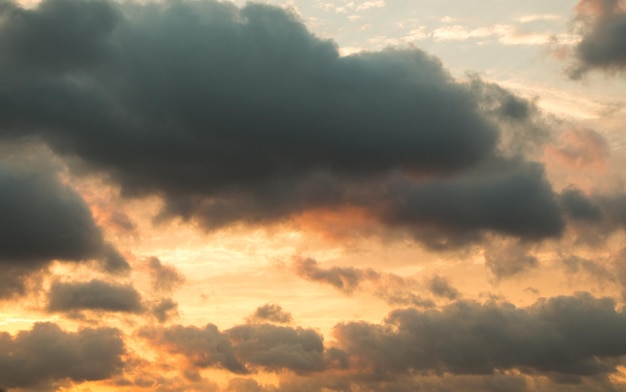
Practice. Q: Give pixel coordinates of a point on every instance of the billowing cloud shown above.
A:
(273, 347)
(46, 354)
(602, 25)
(44, 220)
(577, 336)
(243, 347)
(94, 295)
(270, 313)
(254, 119)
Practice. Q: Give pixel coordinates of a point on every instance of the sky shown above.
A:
(312, 196)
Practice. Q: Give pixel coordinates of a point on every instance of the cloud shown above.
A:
(165, 278)
(94, 295)
(344, 279)
(243, 347)
(164, 309)
(577, 336)
(273, 347)
(508, 259)
(202, 347)
(253, 119)
(45, 220)
(393, 289)
(602, 27)
(441, 287)
(270, 313)
(580, 148)
(46, 354)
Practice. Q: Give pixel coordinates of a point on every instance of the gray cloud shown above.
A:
(202, 347)
(393, 289)
(164, 309)
(45, 220)
(602, 25)
(254, 119)
(344, 279)
(243, 347)
(441, 287)
(275, 347)
(506, 260)
(46, 354)
(93, 295)
(165, 278)
(271, 313)
(575, 336)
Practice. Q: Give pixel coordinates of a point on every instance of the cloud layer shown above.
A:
(251, 118)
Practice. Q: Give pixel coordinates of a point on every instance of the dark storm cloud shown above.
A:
(42, 220)
(573, 336)
(39, 357)
(242, 115)
(271, 313)
(602, 25)
(93, 295)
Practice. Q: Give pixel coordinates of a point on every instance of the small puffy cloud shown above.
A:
(344, 279)
(441, 287)
(224, 137)
(165, 278)
(273, 313)
(164, 309)
(508, 259)
(393, 289)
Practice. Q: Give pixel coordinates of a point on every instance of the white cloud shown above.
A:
(371, 4)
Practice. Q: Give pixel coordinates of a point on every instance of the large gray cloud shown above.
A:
(572, 336)
(203, 347)
(94, 295)
(42, 220)
(46, 354)
(243, 347)
(603, 42)
(248, 117)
